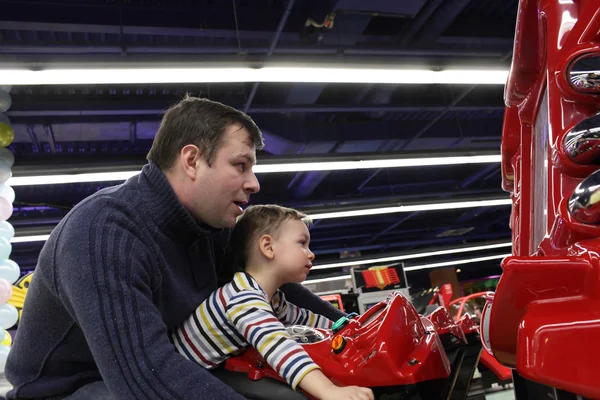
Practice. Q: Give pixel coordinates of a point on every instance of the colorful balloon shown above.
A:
(7, 231)
(7, 341)
(9, 270)
(4, 350)
(4, 118)
(5, 291)
(5, 248)
(7, 134)
(8, 316)
(5, 101)
(6, 209)
(7, 192)
(7, 156)
(6, 88)
(5, 172)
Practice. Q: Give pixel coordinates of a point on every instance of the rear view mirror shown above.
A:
(584, 73)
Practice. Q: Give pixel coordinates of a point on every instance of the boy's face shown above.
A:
(293, 258)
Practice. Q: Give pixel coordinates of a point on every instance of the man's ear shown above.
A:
(265, 244)
(190, 158)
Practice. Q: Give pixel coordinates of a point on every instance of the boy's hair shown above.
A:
(201, 122)
(256, 221)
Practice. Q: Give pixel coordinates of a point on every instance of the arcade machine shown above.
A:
(375, 284)
(543, 321)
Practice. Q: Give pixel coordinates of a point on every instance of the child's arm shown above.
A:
(319, 386)
(253, 317)
(290, 314)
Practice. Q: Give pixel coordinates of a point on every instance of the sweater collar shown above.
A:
(165, 209)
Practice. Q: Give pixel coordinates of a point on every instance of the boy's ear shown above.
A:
(265, 244)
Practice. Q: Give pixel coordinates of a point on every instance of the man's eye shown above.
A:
(241, 166)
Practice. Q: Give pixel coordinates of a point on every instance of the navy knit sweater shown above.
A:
(122, 269)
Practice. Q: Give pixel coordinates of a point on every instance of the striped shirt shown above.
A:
(240, 314)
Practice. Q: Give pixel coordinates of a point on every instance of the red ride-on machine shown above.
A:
(390, 348)
(544, 318)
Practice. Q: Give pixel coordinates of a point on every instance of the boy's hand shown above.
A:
(349, 393)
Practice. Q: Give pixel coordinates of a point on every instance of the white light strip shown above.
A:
(71, 178)
(411, 208)
(33, 238)
(267, 74)
(455, 262)
(381, 260)
(367, 164)
(333, 278)
(267, 168)
(416, 267)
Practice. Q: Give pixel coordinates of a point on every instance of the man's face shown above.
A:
(223, 187)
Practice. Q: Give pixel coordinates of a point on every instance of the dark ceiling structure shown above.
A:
(110, 127)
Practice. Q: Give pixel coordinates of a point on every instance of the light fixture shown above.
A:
(381, 260)
(456, 262)
(331, 279)
(368, 164)
(452, 205)
(70, 178)
(417, 267)
(231, 73)
(33, 238)
(269, 168)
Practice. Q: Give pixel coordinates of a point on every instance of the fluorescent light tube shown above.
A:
(416, 267)
(71, 178)
(411, 208)
(33, 238)
(132, 75)
(368, 164)
(381, 260)
(332, 279)
(455, 262)
(268, 168)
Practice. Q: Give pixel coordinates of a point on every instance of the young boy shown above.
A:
(270, 244)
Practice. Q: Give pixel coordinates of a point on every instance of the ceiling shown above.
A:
(104, 127)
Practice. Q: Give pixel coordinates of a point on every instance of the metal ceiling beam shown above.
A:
(443, 18)
(359, 50)
(103, 109)
(282, 22)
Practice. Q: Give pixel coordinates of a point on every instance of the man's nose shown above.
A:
(252, 185)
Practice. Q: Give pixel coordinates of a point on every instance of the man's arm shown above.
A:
(304, 298)
(289, 314)
(104, 275)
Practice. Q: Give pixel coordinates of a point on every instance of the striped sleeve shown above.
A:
(290, 314)
(254, 318)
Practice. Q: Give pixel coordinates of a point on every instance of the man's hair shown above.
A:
(256, 221)
(200, 122)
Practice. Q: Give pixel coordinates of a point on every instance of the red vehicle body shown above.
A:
(389, 346)
(461, 307)
(544, 319)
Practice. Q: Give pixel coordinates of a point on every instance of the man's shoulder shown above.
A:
(116, 207)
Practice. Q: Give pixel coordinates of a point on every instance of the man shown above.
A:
(130, 263)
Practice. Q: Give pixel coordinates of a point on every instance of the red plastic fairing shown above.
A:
(444, 324)
(389, 337)
(545, 318)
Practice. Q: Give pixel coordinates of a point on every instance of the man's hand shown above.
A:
(349, 393)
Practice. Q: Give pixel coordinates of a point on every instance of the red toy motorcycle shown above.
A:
(390, 348)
